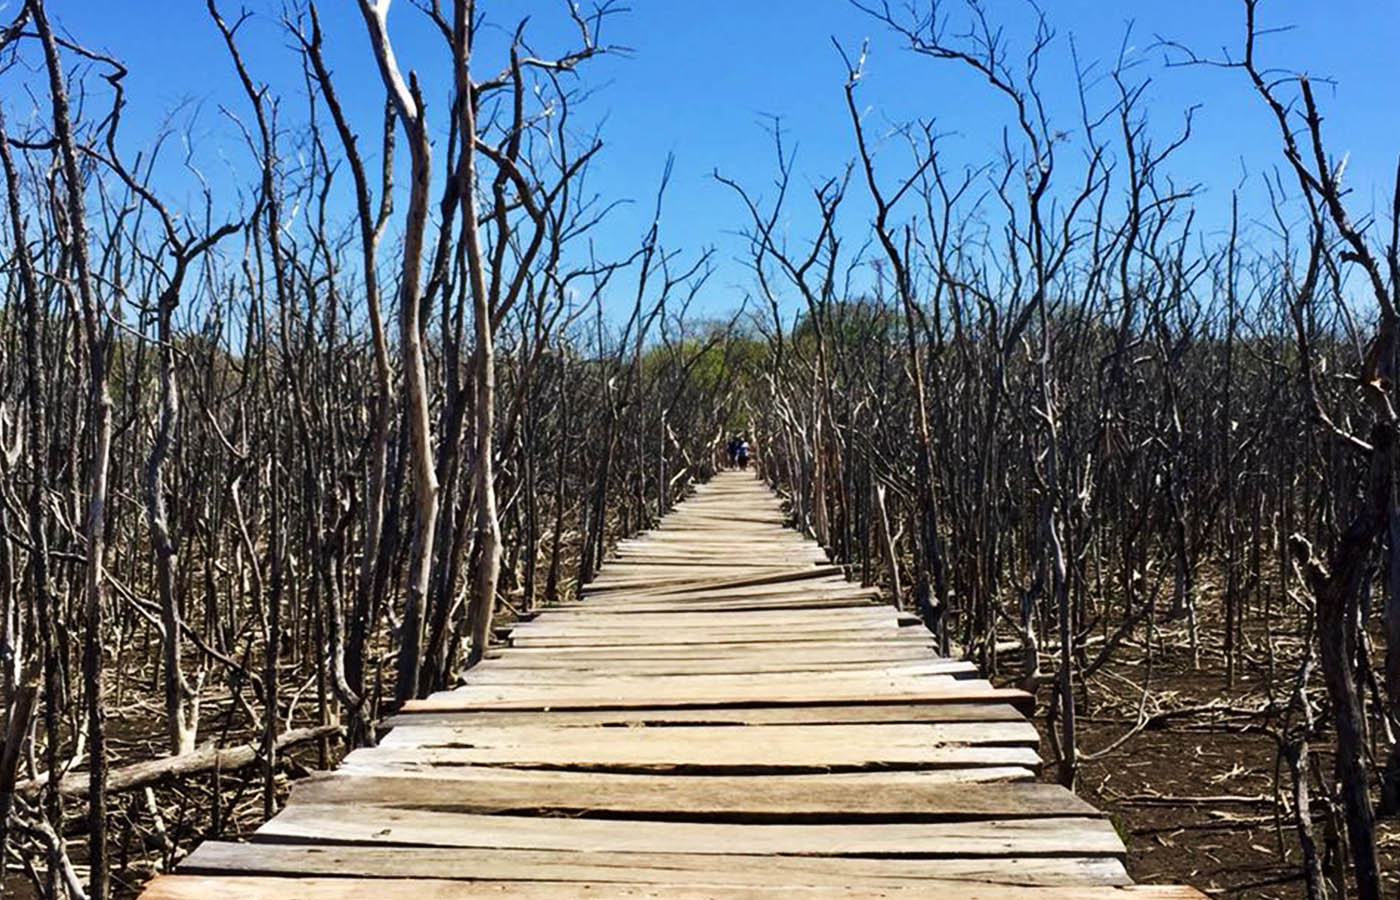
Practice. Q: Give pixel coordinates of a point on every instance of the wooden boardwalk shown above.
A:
(723, 715)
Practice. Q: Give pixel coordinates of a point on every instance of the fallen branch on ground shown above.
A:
(206, 759)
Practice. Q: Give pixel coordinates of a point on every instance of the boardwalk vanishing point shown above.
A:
(723, 716)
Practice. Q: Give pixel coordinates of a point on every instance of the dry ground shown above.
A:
(1193, 797)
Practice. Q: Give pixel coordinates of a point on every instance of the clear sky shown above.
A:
(702, 79)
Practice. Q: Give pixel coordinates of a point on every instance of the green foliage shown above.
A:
(718, 365)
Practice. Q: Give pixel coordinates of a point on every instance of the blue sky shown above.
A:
(702, 80)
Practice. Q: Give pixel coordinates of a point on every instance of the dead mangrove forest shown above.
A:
(280, 457)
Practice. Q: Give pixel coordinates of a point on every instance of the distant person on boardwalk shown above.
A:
(732, 449)
(741, 453)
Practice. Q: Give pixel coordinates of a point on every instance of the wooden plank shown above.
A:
(342, 823)
(801, 600)
(696, 589)
(674, 579)
(664, 575)
(828, 590)
(876, 624)
(670, 673)
(726, 636)
(856, 740)
(795, 555)
(215, 858)
(571, 672)
(834, 597)
(785, 619)
(780, 692)
(884, 796)
(757, 534)
(714, 748)
(874, 650)
(884, 635)
(714, 541)
(746, 551)
(695, 660)
(708, 580)
(390, 769)
(669, 579)
(749, 515)
(727, 759)
(190, 887)
(758, 716)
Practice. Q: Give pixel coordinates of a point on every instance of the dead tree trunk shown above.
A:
(488, 524)
(409, 104)
(97, 333)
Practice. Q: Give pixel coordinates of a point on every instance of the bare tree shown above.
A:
(408, 103)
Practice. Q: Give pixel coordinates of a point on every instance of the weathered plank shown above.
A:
(745, 715)
(640, 868)
(721, 759)
(750, 650)
(734, 601)
(364, 824)
(189, 887)
(733, 661)
(726, 636)
(676, 601)
(721, 748)
(783, 621)
(558, 673)
(791, 600)
(881, 796)
(672, 582)
(777, 692)
(976, 775)
(687, 556)
(846, 741)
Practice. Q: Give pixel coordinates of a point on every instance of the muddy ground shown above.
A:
(1194, 796)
